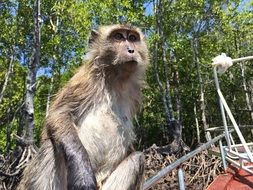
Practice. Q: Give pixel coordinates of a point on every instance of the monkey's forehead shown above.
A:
(107, 30)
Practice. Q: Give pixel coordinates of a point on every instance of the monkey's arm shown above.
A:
(63, 134)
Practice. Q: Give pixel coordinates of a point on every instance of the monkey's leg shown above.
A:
(128, 175)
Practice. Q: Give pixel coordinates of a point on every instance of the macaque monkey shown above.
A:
(88, 134)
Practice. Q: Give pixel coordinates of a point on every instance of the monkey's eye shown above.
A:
(118, 36)
(132, 38)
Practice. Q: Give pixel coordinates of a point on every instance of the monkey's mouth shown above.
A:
(132, 62)
(128, 66)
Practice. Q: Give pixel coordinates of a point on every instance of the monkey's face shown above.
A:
(120, 46)
(125, 44)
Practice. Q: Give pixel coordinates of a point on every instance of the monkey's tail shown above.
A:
(43, 173)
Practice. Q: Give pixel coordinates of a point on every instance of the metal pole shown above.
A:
(223, 104)
(242, 59)
(181, 179)
(222, 109)
(153, 180)
(232, 119)
(224, 163)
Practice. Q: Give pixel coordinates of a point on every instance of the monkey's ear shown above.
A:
(93, 36)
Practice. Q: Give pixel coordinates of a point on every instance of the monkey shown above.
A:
(87, 139)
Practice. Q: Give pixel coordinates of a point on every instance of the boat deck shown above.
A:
(233, 179)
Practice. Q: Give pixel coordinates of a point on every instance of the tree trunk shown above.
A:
(8, 131)
(174, 127)
(55, 29)
(202, 93)
(245, 88)
(237, 43)
(49, 94)
(31, 75)
(155, 60)
(7, 77)
(197, 122)
(251, 89)
(167, 81)
(177, 94)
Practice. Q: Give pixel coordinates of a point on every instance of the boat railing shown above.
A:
(240, 154)
(153, 180)
(237, 154)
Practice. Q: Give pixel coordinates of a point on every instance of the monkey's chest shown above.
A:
(106, 135)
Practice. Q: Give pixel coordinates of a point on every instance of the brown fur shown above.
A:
(94, 111)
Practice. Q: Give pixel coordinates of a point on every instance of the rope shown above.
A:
(223, 62)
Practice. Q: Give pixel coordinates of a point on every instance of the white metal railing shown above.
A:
(238, 157)
(153, 180)
(229, 152)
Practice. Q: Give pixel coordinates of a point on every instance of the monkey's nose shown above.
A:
(130, 51)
